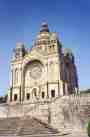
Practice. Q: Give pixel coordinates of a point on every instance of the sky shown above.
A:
(20, 21)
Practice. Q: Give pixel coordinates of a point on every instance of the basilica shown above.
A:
(44, 72)
(43, 98)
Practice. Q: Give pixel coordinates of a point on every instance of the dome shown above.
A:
(44, 27)
(43, 35)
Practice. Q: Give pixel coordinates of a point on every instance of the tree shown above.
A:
(88, 128)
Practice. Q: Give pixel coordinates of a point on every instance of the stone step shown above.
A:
(36, 131)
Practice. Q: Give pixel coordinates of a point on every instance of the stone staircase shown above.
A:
(8, 126)
(77, 108)
(31, 127)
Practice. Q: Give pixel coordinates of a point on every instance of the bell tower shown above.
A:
(19, 51)
(16, 72)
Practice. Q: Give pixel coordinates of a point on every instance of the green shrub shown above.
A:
(88, 128)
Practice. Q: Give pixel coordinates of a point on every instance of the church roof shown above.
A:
(45, 36)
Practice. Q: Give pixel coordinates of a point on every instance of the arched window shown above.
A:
(52, 93)
(53, 46)
(15, 97)
(43, 94)
(28, 96)
(35, 94)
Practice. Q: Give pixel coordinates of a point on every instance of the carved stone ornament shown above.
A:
(36, 71)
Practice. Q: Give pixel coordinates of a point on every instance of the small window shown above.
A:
(15, 97)
(28, 96)
(53, 93)
(43, 94)
(53, 46)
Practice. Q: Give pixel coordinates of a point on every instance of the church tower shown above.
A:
(43, 73)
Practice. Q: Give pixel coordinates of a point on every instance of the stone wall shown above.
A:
(71, 112)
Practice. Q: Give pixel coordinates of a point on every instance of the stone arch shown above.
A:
(30, 62)
(24, 72)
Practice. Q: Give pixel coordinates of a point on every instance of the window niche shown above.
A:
(43, 94)
(52, 93)
(28, 96)
(53, 46)
(15, 97)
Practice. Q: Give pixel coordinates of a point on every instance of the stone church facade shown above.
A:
(43, 89)
(44, 72)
